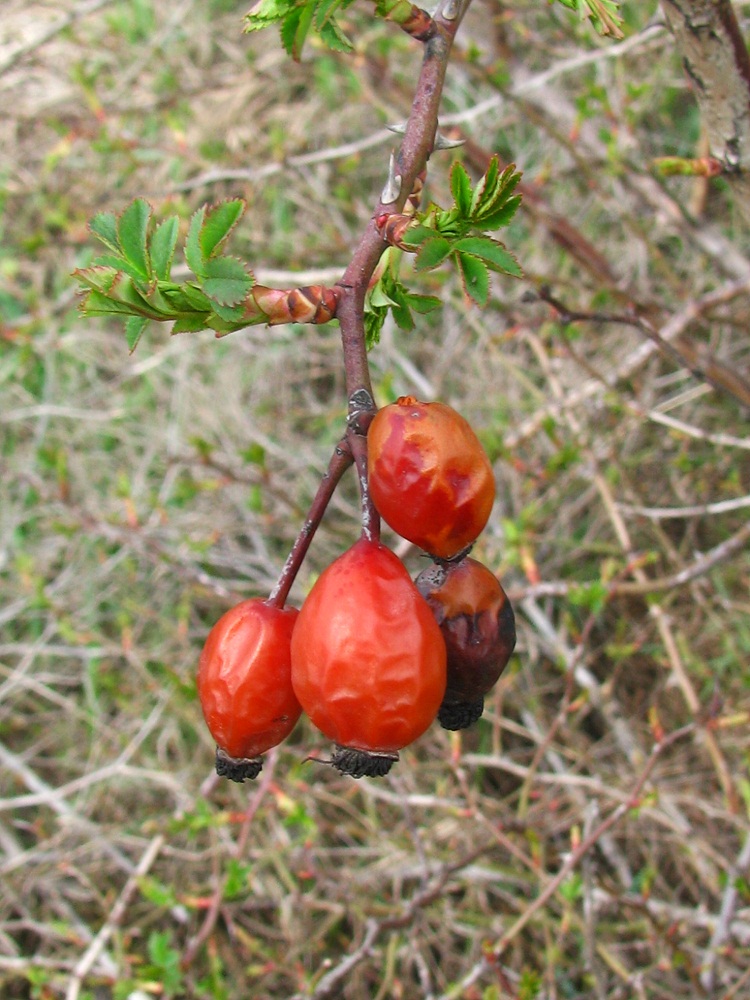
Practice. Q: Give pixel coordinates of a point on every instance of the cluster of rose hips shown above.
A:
(374, 657)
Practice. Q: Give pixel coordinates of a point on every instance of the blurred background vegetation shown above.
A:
(140, 496)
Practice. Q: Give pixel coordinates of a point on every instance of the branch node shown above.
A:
(361, 411)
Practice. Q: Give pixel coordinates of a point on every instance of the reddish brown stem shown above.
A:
(340, 461)
(409, 162)
(408, 167)
(347, 300)
(370, 515)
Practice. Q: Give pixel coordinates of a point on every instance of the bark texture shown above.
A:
(716, 59)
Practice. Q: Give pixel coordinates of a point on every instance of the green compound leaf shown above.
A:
(295, 28)
(104, 227)
(460, 231)
(193, 252)
(604, 14)
(494, 254)
(218, 223)
(225, 281)
(162, 246)
(134, 327)
(297, 18)
(132, 280)
(475, 277)
(461, 189)
(190, 323)
(132, 234)
(432, 253)
(390, 293)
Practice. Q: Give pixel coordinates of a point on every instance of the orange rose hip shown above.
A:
(368, 659)
(245, 685)
(430, 478)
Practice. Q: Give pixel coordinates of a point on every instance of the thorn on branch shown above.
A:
(392, 188)
(443, 142)
(451, 9)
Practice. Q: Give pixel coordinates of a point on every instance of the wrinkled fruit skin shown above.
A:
(479, 629)
(368, 659)
(429, 476)
(244, 682)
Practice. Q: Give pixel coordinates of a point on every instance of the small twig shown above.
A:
(560, 718)
(734, 990)
(94, 950)
(591, 840)
(699, 567)
(698, 362)
(727, 910)
(256, 174)
(56, 28)
(666, 633)
(212, 914)
(712, 437)
(696, 510)
(328, 984)
(633, 361)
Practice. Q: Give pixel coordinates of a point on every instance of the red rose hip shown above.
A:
(368, 659)
(429, 476)
(245, 686)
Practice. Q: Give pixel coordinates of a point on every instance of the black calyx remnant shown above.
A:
(237, 768)
(362, 763)
(456, 715)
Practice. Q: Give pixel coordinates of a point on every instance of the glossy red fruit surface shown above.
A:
(430, 478)
(478, 626)
(368, 659)
(244, 678)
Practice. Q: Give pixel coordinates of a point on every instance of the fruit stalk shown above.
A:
(340, 461)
